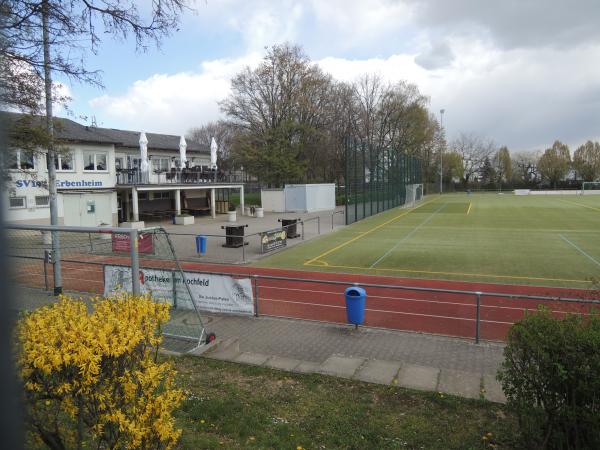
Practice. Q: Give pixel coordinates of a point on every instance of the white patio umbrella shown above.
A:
(213, 153)
(144, 155)
(182, 148)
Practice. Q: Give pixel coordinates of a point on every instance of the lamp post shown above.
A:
(442, 111)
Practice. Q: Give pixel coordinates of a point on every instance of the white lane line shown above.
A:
(580, 250)
(408, 235)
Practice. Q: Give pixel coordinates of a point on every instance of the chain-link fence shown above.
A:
(377, 179)
(99, 261)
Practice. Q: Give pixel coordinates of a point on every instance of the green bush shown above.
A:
(551, 378)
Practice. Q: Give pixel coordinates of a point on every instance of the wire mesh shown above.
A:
(377, 179)
(95, 264)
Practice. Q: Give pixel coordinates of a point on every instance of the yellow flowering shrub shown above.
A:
(91, 378)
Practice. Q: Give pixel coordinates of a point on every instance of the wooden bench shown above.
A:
(156, 209)
(197, 204)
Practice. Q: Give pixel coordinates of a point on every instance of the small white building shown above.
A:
(99, 178)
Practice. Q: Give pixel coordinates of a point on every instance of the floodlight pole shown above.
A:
(442, 111)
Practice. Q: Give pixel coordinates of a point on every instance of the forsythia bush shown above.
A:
(91, 378)
(551, 378)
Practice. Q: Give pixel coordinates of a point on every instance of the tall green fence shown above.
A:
(379, 178)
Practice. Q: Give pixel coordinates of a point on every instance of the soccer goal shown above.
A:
(414, 193)
(590, 187)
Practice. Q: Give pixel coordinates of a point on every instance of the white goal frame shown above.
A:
(590, 183)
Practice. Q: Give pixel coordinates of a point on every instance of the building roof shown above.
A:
(71, 131)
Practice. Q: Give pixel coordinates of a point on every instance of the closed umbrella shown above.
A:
(213, 156)
(182, 148)
(144, 156)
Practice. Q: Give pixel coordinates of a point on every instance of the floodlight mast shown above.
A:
(442, 111)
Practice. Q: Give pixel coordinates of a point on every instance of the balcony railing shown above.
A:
(173, 176)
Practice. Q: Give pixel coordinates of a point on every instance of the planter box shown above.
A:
(184, 220)
(231, 216)
(259, 212)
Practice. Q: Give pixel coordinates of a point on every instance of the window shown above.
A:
(42, 200)
(161, 195)
(161, 164)
(142, 196)
(94, 161)
(17, 202)
(119, 163)
(21, 159)
(64, 162)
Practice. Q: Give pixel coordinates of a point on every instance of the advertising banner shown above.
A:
(214, 293)
(272, 240)
(122, 242)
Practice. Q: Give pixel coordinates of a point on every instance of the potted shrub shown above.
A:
(231, 214)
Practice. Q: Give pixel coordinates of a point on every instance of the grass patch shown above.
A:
(235, 406)
(250, 199)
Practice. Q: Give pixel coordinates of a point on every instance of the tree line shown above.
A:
(474, 162)
(287, 121)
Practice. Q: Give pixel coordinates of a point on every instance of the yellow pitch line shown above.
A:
(469, 210)
(456, 273)
(343, 244)
(579, 204)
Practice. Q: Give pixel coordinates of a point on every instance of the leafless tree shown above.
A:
(474, 150)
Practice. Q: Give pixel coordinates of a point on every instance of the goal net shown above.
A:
(590, 187)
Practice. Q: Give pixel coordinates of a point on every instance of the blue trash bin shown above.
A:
(174, 219)
(355, 305)
(201, 245)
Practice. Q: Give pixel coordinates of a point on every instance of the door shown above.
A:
(87, 210)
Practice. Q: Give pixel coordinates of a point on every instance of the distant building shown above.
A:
(99, 178)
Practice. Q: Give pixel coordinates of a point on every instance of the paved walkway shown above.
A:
(413, 360)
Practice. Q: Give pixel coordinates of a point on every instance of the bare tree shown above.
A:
(474, 150)
(525, 169)
(50, 37)
(224, 133)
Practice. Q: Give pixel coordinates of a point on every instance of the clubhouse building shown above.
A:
(106, 176)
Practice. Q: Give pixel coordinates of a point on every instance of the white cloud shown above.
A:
(171, 103)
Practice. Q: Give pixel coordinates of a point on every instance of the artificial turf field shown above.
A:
(499, 238)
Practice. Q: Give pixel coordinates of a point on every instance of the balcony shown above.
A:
(195, 175)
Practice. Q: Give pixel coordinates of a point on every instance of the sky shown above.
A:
(520, 72)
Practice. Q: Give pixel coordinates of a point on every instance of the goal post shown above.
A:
(590, 187)
(414, 193)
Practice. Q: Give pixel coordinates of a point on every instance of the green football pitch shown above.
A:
(500, 238)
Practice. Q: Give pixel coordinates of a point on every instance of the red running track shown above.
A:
(400, 309)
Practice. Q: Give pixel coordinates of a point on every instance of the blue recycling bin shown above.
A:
(201, 245)
(174, 219)
(355, 305)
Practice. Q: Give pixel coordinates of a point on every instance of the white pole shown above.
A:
(134, 204)
(442, 111)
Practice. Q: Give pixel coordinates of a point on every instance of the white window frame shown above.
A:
(59, 163)
(19, 168)
(18, 207)
(47, 205)
(86, 154)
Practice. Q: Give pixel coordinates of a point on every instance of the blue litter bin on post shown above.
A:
(355, 305)
(201, 245)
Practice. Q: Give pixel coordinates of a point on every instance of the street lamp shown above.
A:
(442, 111)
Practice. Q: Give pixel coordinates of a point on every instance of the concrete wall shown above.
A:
(272, 200)
(309, 197)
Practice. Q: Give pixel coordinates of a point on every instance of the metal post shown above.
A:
(45, 274)
(442, 149)
(302, 223)
(135, 262)
(318, 224)
(243, 248)
(255, 295)
(478, 319)
(332, 220)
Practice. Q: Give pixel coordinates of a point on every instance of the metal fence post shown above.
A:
(135, 262)
(318, 224)
(478, 318)
(255, 295)
(302, 223)
(243, 248)
(332, 220)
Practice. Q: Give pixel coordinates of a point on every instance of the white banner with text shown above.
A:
(214, 293)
